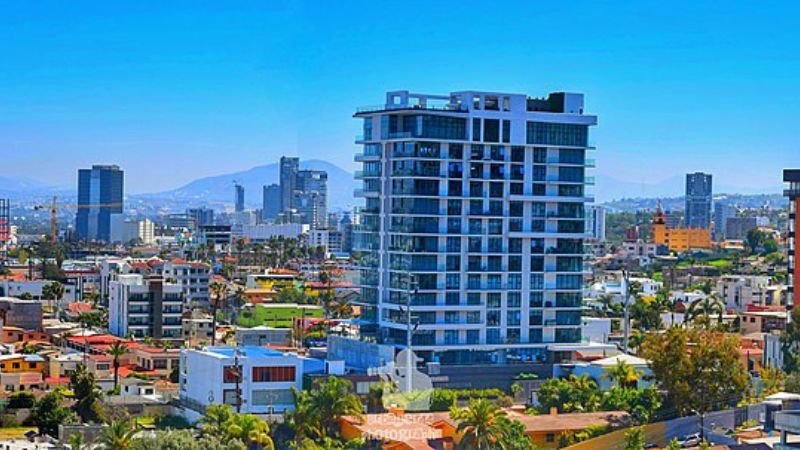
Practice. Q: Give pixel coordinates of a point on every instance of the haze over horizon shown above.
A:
(177, 92)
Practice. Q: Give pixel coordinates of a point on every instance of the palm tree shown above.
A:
(216, 419)
(251, 430)
(117, 350)
(623, 374)
(239, 299)
(53, 291)
(118, 435)
(606, 300)
(219, 291)
(636, 340)
(318, 410)
(704, 308)
(482, 424)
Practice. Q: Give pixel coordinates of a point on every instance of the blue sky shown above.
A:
(173, 91)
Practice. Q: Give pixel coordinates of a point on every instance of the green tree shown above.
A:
(250, 430)
(702, 309)
(623, 375)
(699, 370)
(483, 425)
(318, 410)
(48, 413)
(773, 380)
(184, 440)
(790, 343)
(216, 419)
(87, 395)
(117, 350)
(634, 439)
(53, 291)
(571, 394)
(118, 435)
(219, 293)
(673, 445)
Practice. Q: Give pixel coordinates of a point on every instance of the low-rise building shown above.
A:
(762, 321)
(25, 314)
(161, 361)
(20, 372)
(741, 291)
(197, 330)
(264, 378)
(600, 368)
(262, 335)
(145, 307)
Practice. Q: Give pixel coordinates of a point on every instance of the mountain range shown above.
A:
(218, 190)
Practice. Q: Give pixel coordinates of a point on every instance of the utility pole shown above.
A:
(238, 378)
(412, 292)
(626, 286)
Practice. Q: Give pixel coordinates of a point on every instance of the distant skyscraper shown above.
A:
(288, 179)
(722, 212)
(239, 198)
(311, 198)
(271, 203)
(201, 216)
(792, 179)
(596, 222)
(698, 200)
(100, 195)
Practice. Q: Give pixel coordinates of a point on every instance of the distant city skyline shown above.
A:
(173, 94)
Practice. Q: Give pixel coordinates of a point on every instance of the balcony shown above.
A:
(384, 107)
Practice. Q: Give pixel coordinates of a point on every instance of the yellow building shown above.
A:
(678, 239)
(21, 372)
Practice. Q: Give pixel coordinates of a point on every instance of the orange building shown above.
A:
(678, 239)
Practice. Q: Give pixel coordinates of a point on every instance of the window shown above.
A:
(270, 397)
(546, 133)
(491, 130)
(476, 129)
(273, 374)
(550, 437)
(506, 131)
(229, 374)
(229, 397)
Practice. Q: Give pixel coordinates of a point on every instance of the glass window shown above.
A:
(491, 130)
(546, 133)
(476, 129)
(506, 131)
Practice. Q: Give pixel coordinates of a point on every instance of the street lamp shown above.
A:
(413, 288)
(627, 319)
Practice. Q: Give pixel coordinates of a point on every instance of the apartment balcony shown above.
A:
(365, 193)
(361, 174)
(371, 109)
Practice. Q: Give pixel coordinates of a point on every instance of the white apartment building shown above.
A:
(192, 276)
(739, 291)
(265, 379)
(474, 215)
(263, 232)
(145, 307)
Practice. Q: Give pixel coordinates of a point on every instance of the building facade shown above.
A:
(264, 378)
(271, 202)
(239, 198)
(145, 307)
(100, 195)
(311, 198)
(698, 200)
(288, 179)
(473, 214)
(201, 216)
(722, 212)
(736, 228)
(596, 223)
(792, 179)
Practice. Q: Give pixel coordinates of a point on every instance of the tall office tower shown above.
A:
(473, 215)
(792, 178)
(288, 179)
(722, 212)
(271, 203)
(311, 198)
(201, 216)
(239, 200)
(596, 223)
(100, 194)
(698, 200)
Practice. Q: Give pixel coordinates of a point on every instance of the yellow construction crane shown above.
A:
(54, 213)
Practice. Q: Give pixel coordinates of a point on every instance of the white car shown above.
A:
(690, 440)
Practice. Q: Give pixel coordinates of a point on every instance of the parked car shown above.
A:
(690, 440)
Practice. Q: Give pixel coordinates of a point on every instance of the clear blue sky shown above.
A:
(172, 91)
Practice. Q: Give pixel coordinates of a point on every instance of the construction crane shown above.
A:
(54, 213)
